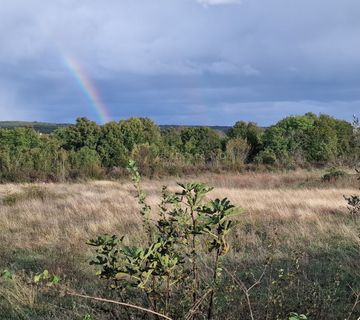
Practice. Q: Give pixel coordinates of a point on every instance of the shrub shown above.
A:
(166, 269)
(333, 175)
(354, 202)
(237, 150)
(147, 157)
(354, 205)
(250, 132)
(266, 156)
(85, 163)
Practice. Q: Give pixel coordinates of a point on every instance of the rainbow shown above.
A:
(88, 88)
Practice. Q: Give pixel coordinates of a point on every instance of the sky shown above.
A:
(205, 62)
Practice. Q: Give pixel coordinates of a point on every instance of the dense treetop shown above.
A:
(86, 149)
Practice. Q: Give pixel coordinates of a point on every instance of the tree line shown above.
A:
(88, 150)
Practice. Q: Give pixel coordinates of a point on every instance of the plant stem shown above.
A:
(211, 302)
(167, 298)
(193, 252)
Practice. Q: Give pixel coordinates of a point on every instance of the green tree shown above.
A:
(250, 132)
(308, 138)
(344, 133)
(139, 130)
(201, 141)
(111, 146)
(355, 140)
(84, 133)
(276, 143)
(288, 139)
(27, 155)
(85, 163)
(323, 140)
(172, 138)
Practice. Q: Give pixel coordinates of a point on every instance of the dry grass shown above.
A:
(67, 215)
(294, 212)
(19, 293)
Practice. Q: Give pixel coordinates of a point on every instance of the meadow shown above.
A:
(296, 237)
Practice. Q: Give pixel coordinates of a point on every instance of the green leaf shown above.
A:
(55, 279)
(37, 278)
(6, 274)
(45, 274)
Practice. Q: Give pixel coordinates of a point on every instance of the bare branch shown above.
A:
(128, 305)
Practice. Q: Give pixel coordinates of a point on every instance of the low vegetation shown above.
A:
(293, 255)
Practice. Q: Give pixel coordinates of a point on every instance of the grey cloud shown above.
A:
(168, 58)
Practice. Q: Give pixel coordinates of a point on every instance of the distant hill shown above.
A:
(220, 129)
(47, 127)
(43, 127)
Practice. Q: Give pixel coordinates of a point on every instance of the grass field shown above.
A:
(297, 220)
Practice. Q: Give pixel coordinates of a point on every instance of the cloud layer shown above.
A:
(181, 61)
(218, 2)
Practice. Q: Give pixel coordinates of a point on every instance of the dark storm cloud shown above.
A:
(181, 61)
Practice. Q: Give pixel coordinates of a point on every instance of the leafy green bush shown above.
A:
(167, 269)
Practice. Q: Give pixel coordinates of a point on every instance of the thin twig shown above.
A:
(74, 294)
(245, 289)
(215, 271)
(357, 301)
(197, 305)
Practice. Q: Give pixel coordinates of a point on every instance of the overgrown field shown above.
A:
(296, 231)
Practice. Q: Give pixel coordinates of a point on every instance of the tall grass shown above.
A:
(288, 218)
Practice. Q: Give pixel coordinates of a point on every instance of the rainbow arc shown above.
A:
(88, 88)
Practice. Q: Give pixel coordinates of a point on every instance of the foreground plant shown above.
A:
(296, 316)
(187, 231)
(21, 291)
(354, 202)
